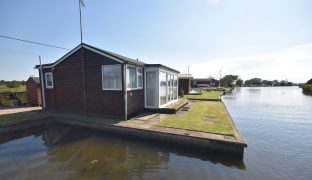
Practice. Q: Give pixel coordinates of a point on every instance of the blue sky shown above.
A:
(270, 39)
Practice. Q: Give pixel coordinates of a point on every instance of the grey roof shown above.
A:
(185, 76)
(43, 65)
(115, 55)
(205, 79)
(111, 54)
(162, 66)
(118, 56)
(36, 79)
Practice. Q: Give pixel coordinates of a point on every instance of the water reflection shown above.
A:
(88, 154)
(64, 151)
(252, 90)
(276, 124)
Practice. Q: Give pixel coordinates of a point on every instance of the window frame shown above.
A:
(139, 74)
(111, 89)
(155, 86)
(168, 82)
(46, 82)
(136, 76)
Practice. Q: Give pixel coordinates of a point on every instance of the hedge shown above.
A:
(307, 89)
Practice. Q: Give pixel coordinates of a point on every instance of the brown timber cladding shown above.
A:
(184, 85)
(135, 101)
(33, 92)
(67, 94)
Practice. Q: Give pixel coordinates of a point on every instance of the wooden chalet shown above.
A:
(89, 80)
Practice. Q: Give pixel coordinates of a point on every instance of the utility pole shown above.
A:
(188, 69)
(220, 76)
(42, 86)
(80, 3)
(83, 61)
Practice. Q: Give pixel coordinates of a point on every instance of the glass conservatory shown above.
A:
(161, 86)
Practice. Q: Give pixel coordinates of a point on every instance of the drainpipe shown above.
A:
(42, 85)
(125, 91)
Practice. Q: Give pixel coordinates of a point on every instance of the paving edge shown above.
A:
(238, 136)
(178, 139)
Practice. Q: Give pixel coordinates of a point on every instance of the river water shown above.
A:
(275, 122)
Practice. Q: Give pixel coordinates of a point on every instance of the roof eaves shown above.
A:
(162, 66)
(36, 80)
(118, 56)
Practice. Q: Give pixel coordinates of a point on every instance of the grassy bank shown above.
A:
(15, 118)
(4, 88)
(203, 116)
(214, 95)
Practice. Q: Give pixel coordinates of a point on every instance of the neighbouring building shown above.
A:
(33, 91)
(90, 80)
(185, 83)
(204, 82)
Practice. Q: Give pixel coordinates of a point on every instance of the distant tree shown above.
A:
(267, 83)
(2, 82)
(289, 84)
(228, 80)
(275, 83)
(239, 82)
(307, 89)
(14, 84)
(283, 83)
(253, 82)
(309, 82)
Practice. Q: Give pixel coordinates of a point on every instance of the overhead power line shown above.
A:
(33, 42)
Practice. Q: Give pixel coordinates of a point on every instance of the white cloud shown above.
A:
(294, 64)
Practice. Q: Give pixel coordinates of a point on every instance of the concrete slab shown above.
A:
(172, 107)
(5, 111)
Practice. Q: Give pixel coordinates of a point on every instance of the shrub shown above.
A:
(307, 89)
(13, 84)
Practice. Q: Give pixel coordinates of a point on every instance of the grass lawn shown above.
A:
(9, 119)
(4, 88)
(205, 116)
(205, 95)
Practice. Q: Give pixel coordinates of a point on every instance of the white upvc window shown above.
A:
(49, 80)
(111, 77)
(140, 78)
(134, 78)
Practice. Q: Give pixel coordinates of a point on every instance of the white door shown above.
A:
(151, 89)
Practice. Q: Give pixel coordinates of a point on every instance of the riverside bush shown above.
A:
(307, 89)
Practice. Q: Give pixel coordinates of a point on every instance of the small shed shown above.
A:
(184, 83)
(33, 91)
